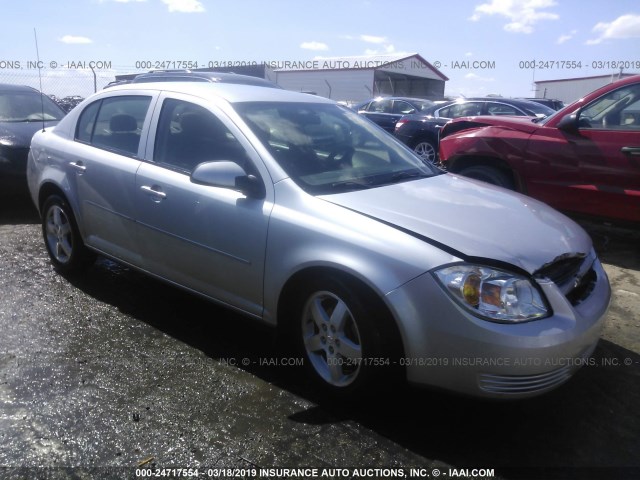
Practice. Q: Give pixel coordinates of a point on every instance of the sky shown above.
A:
(482, 46)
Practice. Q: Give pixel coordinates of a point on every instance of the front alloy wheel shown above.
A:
(331, 339)
(346, 336)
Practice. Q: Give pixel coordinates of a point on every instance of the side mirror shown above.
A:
(569, 123)
(227, 174)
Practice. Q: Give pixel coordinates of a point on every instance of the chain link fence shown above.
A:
(67, 87)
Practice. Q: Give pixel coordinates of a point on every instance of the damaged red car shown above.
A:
(585, 159)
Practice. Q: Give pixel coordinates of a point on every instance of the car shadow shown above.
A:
(591, 421)
(16, 206)
(616, 245)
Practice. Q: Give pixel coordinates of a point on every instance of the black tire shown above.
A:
(490, 175)
(427, 150)
(343, 355)
(62, 237)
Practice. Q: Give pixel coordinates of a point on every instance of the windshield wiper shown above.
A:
(349, 185)
(407, 175)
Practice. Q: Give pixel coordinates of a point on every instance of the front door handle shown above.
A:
(154, 191)
(630, 150)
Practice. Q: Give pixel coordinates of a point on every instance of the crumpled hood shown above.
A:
(473, 218)
(522, 124)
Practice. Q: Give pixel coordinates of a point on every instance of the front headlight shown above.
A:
(492, 294)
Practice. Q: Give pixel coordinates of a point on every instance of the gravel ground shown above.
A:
(111, 370)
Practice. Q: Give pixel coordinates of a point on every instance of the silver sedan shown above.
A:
(301, 214)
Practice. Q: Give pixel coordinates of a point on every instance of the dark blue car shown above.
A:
(386, 111)
(23, 111)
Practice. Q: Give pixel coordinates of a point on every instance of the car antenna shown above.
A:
(35, 35)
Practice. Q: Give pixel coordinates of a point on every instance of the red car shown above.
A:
(584, 159)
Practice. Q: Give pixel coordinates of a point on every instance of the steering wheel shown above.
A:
(341, 156)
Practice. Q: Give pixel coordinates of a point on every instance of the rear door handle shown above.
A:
(630, 150)
(154, 191)
(78, 166)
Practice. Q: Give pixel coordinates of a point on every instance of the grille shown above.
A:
(519, 384)
(574, 275)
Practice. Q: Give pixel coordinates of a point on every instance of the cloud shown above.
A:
(383, 45)
(625, 26)
(184, 6)
(565, 37)
(373, 39)
(386, 49)
(74, 40)
(478, 78)
(314, 46)
(523, 14)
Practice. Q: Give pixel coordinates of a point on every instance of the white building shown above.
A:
(571, 89)
(360, 78)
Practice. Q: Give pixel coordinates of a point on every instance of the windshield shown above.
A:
(545, 120)
(539, 110)
(27, 107)
(325, 148)
(424, 106)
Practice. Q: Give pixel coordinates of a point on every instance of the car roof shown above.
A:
(515, 101)
(408, 99)
(231, 92)
(10, 87)
(523, 104)
(191, 76)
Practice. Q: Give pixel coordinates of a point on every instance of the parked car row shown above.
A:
(67, 103)
(372, 264)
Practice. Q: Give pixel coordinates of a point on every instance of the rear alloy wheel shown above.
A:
(427, 151)
(61, 236)
(339, 334)
(488, 174)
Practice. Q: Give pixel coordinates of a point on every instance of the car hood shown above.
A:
(524, 124)
(18, 134)
(472, 220)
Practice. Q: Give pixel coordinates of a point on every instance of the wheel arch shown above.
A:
(423, 135)
(46, 190)
(284, 313)
(51, 188)
(458, 164)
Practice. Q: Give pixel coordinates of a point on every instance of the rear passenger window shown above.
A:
(502, 109)
(114, 123)
(87, 122)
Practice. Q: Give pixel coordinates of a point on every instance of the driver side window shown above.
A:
(189, 134)
(618, 110)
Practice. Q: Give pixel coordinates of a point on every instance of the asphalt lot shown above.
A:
(111, 370)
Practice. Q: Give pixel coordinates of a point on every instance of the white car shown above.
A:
(300, 213)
